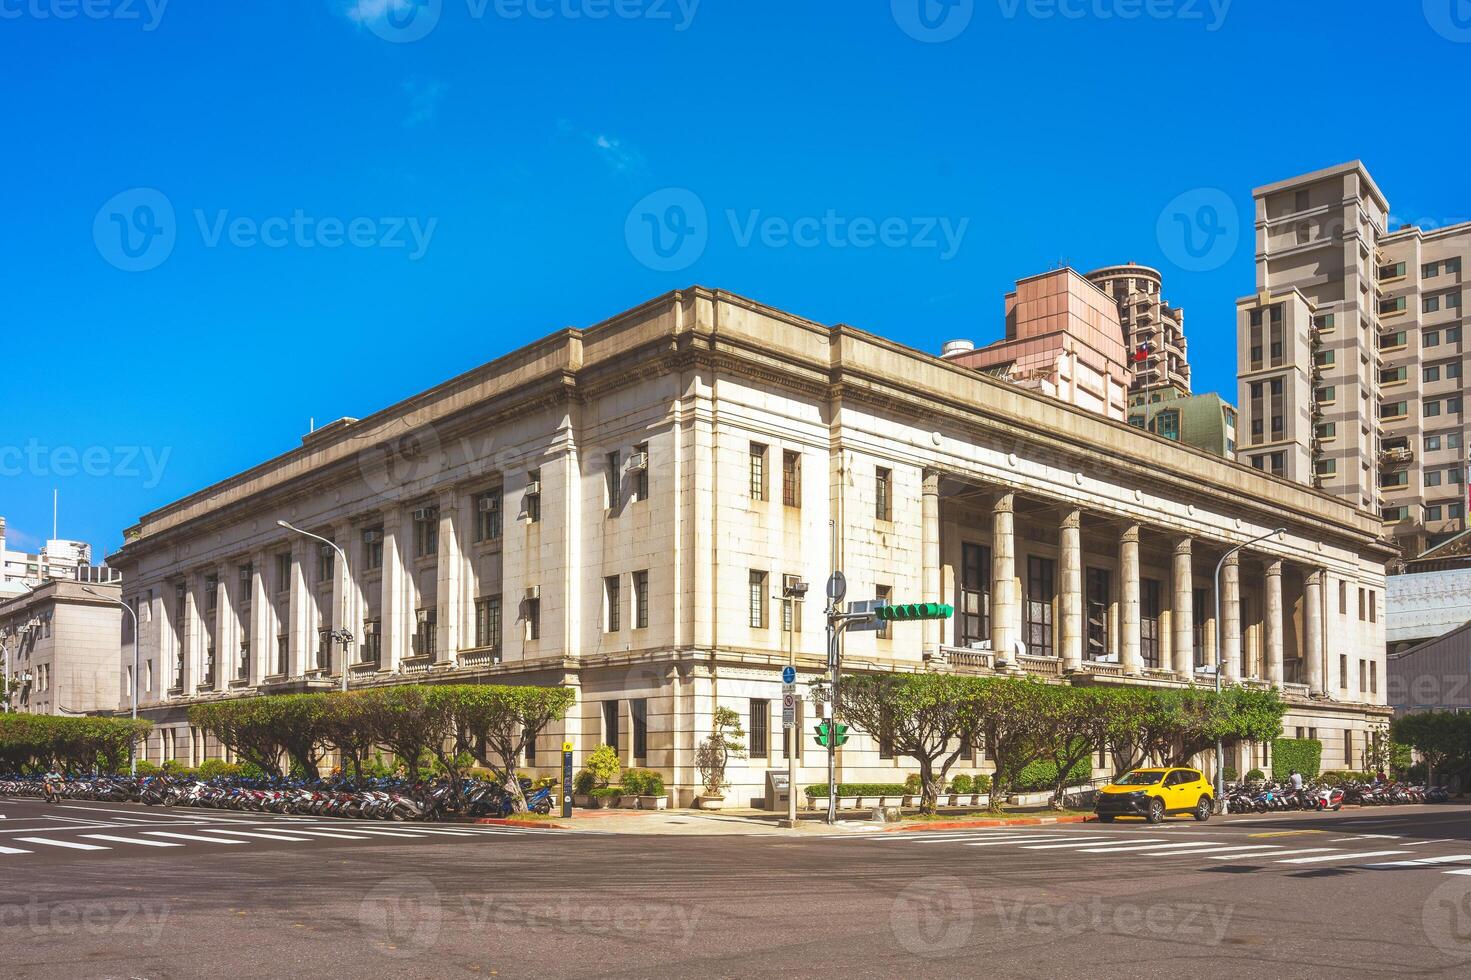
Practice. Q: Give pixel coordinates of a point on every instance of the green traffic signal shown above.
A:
(906, 611)
(823, 734)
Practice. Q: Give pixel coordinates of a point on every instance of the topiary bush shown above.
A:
(584, 782)
(603, 764)
(962, 784)
(860, 789)
(1255, 776)
(1041, 775)
(1304, 755)
(913, 785)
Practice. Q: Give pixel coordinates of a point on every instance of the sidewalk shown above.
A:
(744, 821)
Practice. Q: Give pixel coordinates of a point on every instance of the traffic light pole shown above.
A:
(834, 668)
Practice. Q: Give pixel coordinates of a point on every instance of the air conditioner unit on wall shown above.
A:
(533, 592)
(490, 503)
(533, 488)
(372, 537)
(638, 462)
(426, 513)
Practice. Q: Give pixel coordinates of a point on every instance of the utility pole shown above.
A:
(792, 596)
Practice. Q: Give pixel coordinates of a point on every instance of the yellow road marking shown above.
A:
(1286, 833)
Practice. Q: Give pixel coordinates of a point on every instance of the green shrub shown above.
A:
(643, 782)
(1255, 776)
(217, 768)
(1337, 777)
(584, 782)
(603, 764)
(1305, 755)
(1229, 772)
(653, 784)
(962, 784)
(860, 789)
(912, 784)
(146, 768)
(249, 770)
(604, 792)
(1041, 774)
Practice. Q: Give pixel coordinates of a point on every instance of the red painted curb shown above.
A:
(502, 822)
(998, 822)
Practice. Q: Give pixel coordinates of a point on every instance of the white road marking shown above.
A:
(1462, 871)
(1208, 851)
(207, 840)
(1183, 845)
(1300, 850)
(1421, 862)
(1080, 843)
(386, 833)
(132, 840)
(446, 833)
(1013, 840)
(12, 850)
(74, 845)
(1341, 857)
(329, 833)
(248, 833)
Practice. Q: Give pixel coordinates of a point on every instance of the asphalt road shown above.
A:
(1360, 893)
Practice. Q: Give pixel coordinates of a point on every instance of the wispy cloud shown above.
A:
(620, 156)
(424, 98)
(18, 540)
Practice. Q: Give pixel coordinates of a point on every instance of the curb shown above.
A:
(998, 822)
(503, 822)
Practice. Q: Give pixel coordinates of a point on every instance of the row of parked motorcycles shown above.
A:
(1266, 797)
(374, 799)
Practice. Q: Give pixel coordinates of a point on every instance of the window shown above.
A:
(1393, 410)
(488, 623)
(1040, 593)
(758, 471)
(1300, 200)
(425, 632)
(1096, 611)
(283, 654)
(1324, 322)
(489, 508)
(1432, 478)
(885, 595)
(1433, 512)
(1430, 270)
(530, 747)
(1327, 395)
(326, 562)
(1326, 467)
(1453, 370)
(426, 532)
(883, 486)
(1392, 340)
(641, 475)
(612, 480)
(1453, 301)
(1167, 424)
(1373, 677)
(1394, 271)
(372, 645)
(1431, 338)
(612, 597)
(638, 713)
(1432, 444)
(283, 572)
(1452, 265)
(1430, 374)
(1395, 305)
(372, 549)
(1432, 409)
(211, 593)
(247, 580)
(324, 648)
(1137, 421)
(1429, 304)
(760, 728)
(1149, 607)
(1393, 480)
(531, 502)
(1343, 597)
(533, 618)
(791, 479)
(1455, 511)
(1324, 358)
(1394, 514)
(1453, 335)
(757, 606)
(1453, 405)
(975, 594)
(641, 600)
(242, 665)
(610, 725)
(1391, 375)
(788, 606)
(1327, 430)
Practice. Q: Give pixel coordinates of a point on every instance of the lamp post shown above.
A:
(792, 596)
(342, 635)
(1220, 648)
(132, 749)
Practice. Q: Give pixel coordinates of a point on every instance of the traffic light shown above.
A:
(826, 730)
(904, 611)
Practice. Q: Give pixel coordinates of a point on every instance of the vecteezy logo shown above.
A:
(1199, 230)
(135, 230)
(400, 21)
(933, 917)
(1446, 918)
(400, 458)
(932, 21)
(1451, 19)
(668, 230)
(401, 917)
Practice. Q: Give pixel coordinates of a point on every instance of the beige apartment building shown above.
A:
(60, 644)
(617, 509)
(1350, 353)
(1153, 330)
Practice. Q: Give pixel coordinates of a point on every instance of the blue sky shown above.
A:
(227, 219)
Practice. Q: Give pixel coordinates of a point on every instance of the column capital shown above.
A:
(1274, 568)
(1183, 545)
(1233, 561)
(1005, 504)
(1130, 535)
(1072, 519)
(931, 482)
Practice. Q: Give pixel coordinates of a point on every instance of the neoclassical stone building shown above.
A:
(617, 509)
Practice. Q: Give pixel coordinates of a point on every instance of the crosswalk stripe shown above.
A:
(131, 840)
(13, 850)
(1274, 853)
(1421, 862)
(74, 845)
(262, 836)
(1135, 846)
(1460, 871)
(328, 833)
(386, 833)
(963, 837)
(1206, 851)
(194, 837)
(446, 833)
(1076, 843)
(1010, 840)
(1341, 857)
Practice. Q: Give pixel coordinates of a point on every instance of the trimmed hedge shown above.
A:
(79, 744)
(1042, 775)
(643, 782)
(1337, 777)
(1303, 754)
(962, 783)
(861, 789)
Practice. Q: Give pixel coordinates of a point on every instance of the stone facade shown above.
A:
(617, 509)
(61, 645)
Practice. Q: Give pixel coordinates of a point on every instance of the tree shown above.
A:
(718, 748)
(930, 718)
(1081, 718)
(1011, 713)
(405, 722)
(1442, 738)
(499, 721)
(245, 726)
(297, 720)
(348, 724)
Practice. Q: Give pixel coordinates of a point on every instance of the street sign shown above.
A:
(865, 606)
(837, 587)
(789, 675)
(789, 710)
(567, 779)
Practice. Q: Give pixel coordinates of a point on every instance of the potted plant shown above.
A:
(714, 754)
(961, 789)
(583, 783)
(632, 787)
(602, 763)
(606, 797)
(913, 790)
(651, 794)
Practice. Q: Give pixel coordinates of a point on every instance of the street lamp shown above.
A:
(792, 595)
(132, 748)
(342, 634)
(1220, 649)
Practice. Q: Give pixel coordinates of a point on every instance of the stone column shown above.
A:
(1313, 630)
(449, 598)
(1182, 609)
(395, 623)
(193, 634)
(1006, 610)
(932, 629)
(1231, 614)
(301, 638)
(1071, 597)
(262, 623)
(346, 610)
(1129, 654)
(1273, 623)
(227, 645)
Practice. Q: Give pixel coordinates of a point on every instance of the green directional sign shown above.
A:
(837, 734)
(906, 611)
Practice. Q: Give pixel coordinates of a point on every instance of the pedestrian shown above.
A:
(1296, 780)
(1379, 778)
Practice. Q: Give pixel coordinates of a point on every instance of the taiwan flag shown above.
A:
(1142, 352)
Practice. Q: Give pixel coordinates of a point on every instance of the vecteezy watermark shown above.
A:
(1197, 922)
(1212, 13)
(392, 462)
(672, 924)
(137, 229)
(147, 12)
(120, 462)
(402, 916)
(670, 229)
(1446, 918)
(1199, 229)
(404, 21)
(933, 21)
(933, 917)
(100, 918)
(1451, 19)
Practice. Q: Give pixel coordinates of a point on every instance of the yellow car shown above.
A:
(1155, 793)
